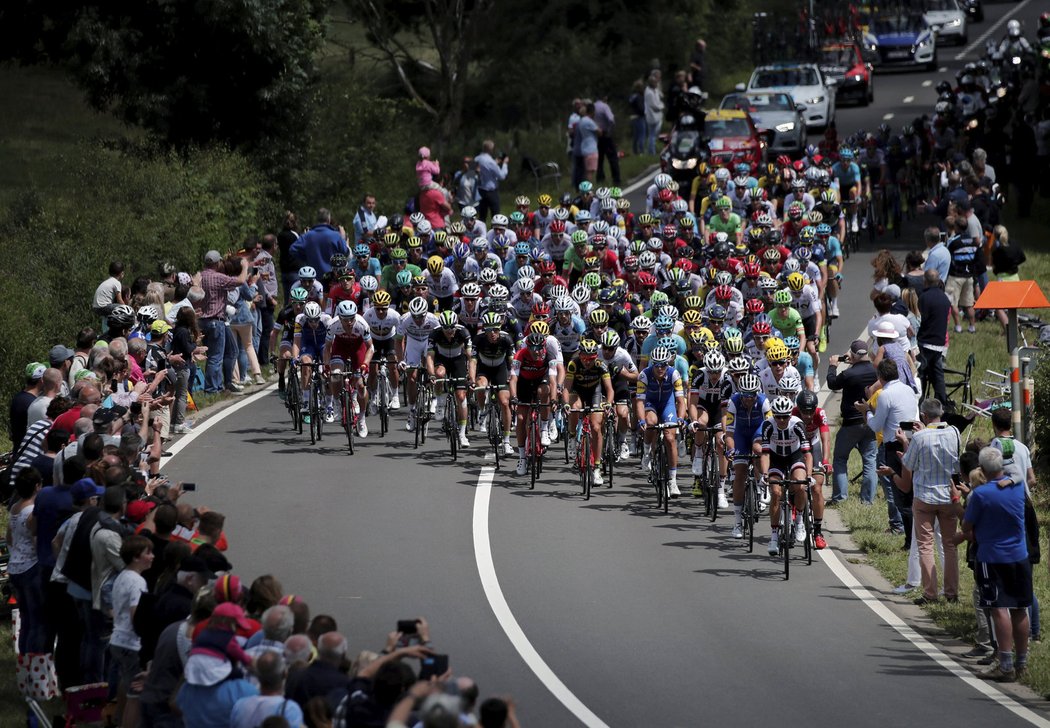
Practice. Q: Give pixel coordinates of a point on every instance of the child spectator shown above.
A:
(425, 168)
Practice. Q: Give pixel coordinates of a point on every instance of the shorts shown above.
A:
(590, 162)
(621, 390)
(740, 438)
(589, 396)
(348, 356)
(285, 342)
(1004, 586)
(311, 351)
(383, 347)
(666, 411)
(528, 390)
(497, 376)
(809, 325)
(414, 351)
(714, 412)
(782, 465)
(126, 664)
(960, 291)
(454, 369)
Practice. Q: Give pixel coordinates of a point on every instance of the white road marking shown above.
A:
(995, 26)
(499, 606)
(927, 83)
(198, 429)
(924, 645)
(644, 179)
(908, 99)
(888, 116)
(942, 69)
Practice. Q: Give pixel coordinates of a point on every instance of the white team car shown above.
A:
(806, 84)
(948, 20)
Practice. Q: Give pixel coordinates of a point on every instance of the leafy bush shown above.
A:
(131, 205)
(1041, 375)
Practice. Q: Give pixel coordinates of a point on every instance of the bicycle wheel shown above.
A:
(534, 449)
(383, 406)
(663, 477)
(451, 425)
(786, 537)
(583, 461)
(713, 479)
(422, 423)
(294, 398)
(610, 450)
(346, 407)
(493, 425)
(807, 519)
(315, 411)
(565, 435)
(749, 515)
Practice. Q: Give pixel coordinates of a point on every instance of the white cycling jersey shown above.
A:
(383, 328)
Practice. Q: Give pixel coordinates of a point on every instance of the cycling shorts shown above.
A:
(313, 352)
(665, 409)
(414, 351)
(528, 390)
(285, 342)
(352, 353)
(383, 347)
(782, 465)
(623, 391)
(494, 375)
(743, 443)
(589, 396)
(455, 368)
(809, 325)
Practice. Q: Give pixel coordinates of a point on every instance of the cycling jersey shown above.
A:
(284, 322)
(371, 268)
(789, 322)
(770, 383)
(711, 395)
(526, 366)
(383, 328)
(730, 226)
(493, 354)
(745, 424)
(653, 389)
(444, 286)
(785, 446)
(310, 337)
(568, 335)
(341, 332)
(580, 377)
(445, 347)
(814, 425)
(471, 318)
(846, 174)
(806, 301)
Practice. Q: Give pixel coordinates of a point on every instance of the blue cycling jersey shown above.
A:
(745, 424)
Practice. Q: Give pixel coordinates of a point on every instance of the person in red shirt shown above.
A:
(533, 376)
(819, 434)
(345, 289)
(434, 206)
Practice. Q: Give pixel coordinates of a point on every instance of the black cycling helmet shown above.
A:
(807, 401)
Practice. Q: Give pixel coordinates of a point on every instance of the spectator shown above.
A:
(365, 219)
(854, 433)
(323, 675)
(910, 298)
(885, 313)
(490, 174)
(249, 712)
(912, 272)
(124, 644)
(426, 169)
(585, 143)
(937, 255)
(50, 387)
(932, 337)
(931, 459)
(654, 111)
(465, 182)
(24, 567)
(287, 237)
(184, 348)
(61, 358)
(218, 374)
(434, 205)
(21, 402)
(995, 520)
(636, 103)
(267, 303)
(317, 245)
(497, 713)
(277, 624)
(888, 346)
(896, 403)
(606, 121)
(1017, 458)
(110, 292)
(242, 322)
(961, 271)
(676, 96)
(209, 693)
(885, 270)
(698, 64)
(85, 340)
(1006, 263)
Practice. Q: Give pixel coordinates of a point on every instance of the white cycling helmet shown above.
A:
(662, 181)
(416, 218)
(346, 309)
(499, 291)
(662, 355)
(307, 272)
(789, 386)
(749, 384)
(312, 310)
(526, 271)
(563, 304)
(488, 276)
(581, 293)
(500, 221)
(418, 306)
(782, 406)
(642, 323)
(468, 213)
(714, 361)
(369, 284)
(470, 290)
(526, 285)
(561, 213)
(424, 228)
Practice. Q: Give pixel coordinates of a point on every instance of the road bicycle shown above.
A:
(659, 468)
(787, 522)
(493, 420)
(382, 395)
(318, 389)
(421, 408)
(750, 514)
(349, 409)
(852, 241)
(293, 395)
(585, 456)
(533, 444)
(610, 451)
(449, 424)
(709, 482)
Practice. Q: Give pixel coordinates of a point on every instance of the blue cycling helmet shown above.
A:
(663, 323)
(667, 341)
(743, 168)
(818, 252)
(499, 241)
(846, 154)
(361, 250)
(792, 343)
(823, 230)
(522, 248)
(763, 318)
(802, 253)
(461, 251)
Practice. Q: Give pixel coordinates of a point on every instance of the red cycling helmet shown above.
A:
(558, 226)
(723, 293)
(646, 279)
(545, 266)
(665, 196)
(754, 306)
(752, 270)
(668, 232)
(761, 328)
(686, 265)
(541, 310)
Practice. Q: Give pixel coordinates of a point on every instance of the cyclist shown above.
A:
(308, 280)
(492, 349)
(816, 422)
(349, 348)
(834, 261)
(567, 327)
(448, 352)
(308, 345)
(744, 414)
(777, 367)
(785, 454)
(846, 172)
(785, 318)
(345, 288)
(364, 264)
(383, 322)
(709, 391)
(806, 300)
(587, 383)
(726, 221)
(398, 263)
(534, 373)
(661, 399)
(284, 330)
(413, 338)
(441, 282)
(624, 374)
(468, 306)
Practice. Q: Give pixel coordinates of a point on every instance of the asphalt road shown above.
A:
(645, 619)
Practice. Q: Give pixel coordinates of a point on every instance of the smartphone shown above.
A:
(433, 666)
(907, 425)
(408, 626)
(186, 487)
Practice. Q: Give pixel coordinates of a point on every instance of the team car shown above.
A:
(948, 20)
(732, 138)
(844, 62)
(902, 40)
(806, 84)
(776, 116)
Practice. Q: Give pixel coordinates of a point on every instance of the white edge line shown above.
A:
(984, 36)
(643, 179)
(924, 645)
(500, 608)
(921, 643)
(185, 440)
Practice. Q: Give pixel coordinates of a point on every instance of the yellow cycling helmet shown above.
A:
(381, 298)
(540, 327)
(692, 317)
(435, 264)
(778, 351)
(712, 345)
(391, 239)
(415, 242)
(694, 302)
(545, 200)
(796, 281)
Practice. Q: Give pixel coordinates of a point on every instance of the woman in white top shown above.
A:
(654, 111)
(23, 568)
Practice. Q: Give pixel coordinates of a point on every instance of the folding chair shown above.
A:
(541, 171)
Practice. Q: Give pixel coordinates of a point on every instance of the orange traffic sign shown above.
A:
(1012, 294)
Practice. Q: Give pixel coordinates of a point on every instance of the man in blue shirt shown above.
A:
(365, 220)
(318, 244)
(490, 174)
(995, 519)
(938, 256)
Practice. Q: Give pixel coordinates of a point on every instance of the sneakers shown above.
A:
(508, 449)
(523, 466)
(545, 437)
(647, 461)
(181, 429)
(958, 329)
(362, 427)
(598, 480)
(482, 424)
(905, 588)
(573, 447)
(463, 441)
(819, 542)
(259, 380)
(997, 674)
(774, 543)
(834, 308)
(763, 498)
(625, 450)
(697, 466)
(737, 532)
(329, 414)
(722, 501)
(800, 532)
(395, 402)
(971, 329)
(674, 489)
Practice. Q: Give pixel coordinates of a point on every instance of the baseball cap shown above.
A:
(160, 327)
(963, 204)
(105, 415)
(885, 330)
(212, 256)
(184, 279)
(137, 510)
(60, 353)
(35, 370)
(85, 488)
(859, 347)
(232, 611)
(893, 289)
